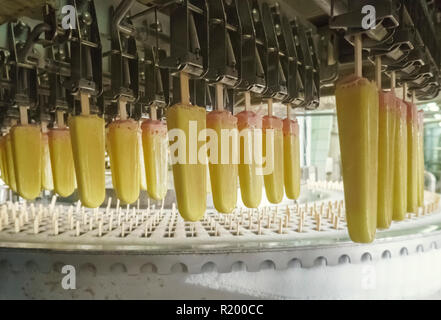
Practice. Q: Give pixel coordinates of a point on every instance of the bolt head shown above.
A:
(86, 18)
(256, 16)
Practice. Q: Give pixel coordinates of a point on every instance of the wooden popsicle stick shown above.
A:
(358, 54)
(43, 126)
(85, 103)
(185, 88)
(288, 111)
(413, 96)
(404, 91)
(122, 106)
(60, 119)
(23, 115)
(378, 72)
(247, 95)
(153, 113)
(219, 96)
(270, 107)
(393, 80)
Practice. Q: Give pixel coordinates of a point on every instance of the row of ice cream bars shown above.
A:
(381, 142)
(73, 157)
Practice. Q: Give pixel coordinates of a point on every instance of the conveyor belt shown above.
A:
(162, 238)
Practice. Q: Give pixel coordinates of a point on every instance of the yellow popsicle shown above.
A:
(46, 169)
(274, 180)
(185, 123)
(155, 149)
(142, 173)
(63, 170)
(386, 140)
(291, 156)
(87, 136)
(412, 158)
(26, 150)
(357, 114)
(3, 160)
(251, 183)
(10, 163)
(223, 167)
(421, 158)
(400, 167)
(124, 159)
(109, 154)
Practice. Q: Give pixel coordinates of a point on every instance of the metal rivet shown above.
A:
(256, 16)
(278, 29)
(86, 17)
